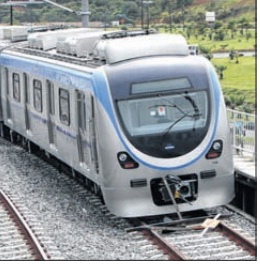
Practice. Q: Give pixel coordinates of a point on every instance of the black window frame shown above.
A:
(37, 95)
(64, 106)
(16, 87)
(26, 83)
(51, 98)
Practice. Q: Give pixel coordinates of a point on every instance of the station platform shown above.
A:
(245, 184)
(245, 166)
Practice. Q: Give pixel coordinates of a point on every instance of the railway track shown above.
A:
(211, 240)
(158, 242)
(17, 240)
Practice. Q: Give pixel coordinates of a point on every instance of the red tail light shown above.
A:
(125, 161)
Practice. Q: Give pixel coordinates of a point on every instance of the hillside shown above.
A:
(161, 11)
(233, 30)
(229, 9)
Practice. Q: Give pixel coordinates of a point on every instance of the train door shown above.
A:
(51, 114)
(82, 129)
(1, 99)
(26, 101)
(92, 133)
(7, 94)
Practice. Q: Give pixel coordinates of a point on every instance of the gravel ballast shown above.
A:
(72, 218)
(64, 209)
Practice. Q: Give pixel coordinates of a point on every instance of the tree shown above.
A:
(206, 51)
(218, 25)
(130, 9)
(248, 35)
(219, 35)
(202, 27)
(244, 24)
(233, 54)
(232, 27)
(220, 69)
(235, 100)
(183, 3)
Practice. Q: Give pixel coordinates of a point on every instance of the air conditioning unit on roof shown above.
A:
(14, 33)
(80, 44)
(49, 40)
(121, 49)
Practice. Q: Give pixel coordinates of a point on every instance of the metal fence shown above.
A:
(243, 131)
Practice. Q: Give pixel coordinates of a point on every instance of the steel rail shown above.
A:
(37, 249)
(239, 239)
(172, 252)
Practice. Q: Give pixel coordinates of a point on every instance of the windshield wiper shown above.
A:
(168, 129)
(195, 107)
(195, 116)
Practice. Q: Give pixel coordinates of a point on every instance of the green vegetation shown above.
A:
(236, 42)
(233, 30)
(167, 13)
(239, 82)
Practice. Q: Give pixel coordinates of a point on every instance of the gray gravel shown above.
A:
(71, 217)
(62, 207)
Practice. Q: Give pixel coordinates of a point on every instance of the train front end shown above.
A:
(164, 137)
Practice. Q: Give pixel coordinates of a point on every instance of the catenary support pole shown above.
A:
(85, 13)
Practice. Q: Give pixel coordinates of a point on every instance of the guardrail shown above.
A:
(243, 132)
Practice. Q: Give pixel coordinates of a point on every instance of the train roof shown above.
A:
(86, 46)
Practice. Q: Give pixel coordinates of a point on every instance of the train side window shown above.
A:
(37, 95)
(16, 87)
(64, 102)
(81, 110)
(51, 101)
(6, 80)
(26, 88)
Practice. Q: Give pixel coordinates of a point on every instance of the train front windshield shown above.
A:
(166, 126)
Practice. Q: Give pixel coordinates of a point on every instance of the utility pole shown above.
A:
(142, 15)
(85, 13)
(11, 15)
(84, 10)
(147, 3)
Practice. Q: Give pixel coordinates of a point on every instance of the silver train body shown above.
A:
(137, 115)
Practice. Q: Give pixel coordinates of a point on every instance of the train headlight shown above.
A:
(216, 145)
(122, 157)
(125, 161)
(215, 150)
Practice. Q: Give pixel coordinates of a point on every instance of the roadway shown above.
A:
(226, 54)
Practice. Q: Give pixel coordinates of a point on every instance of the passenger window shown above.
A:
(6, 80)
(51, 101)
(81, 110)
(64, 101)
(26, 88)
(16, 87)
(37, 95)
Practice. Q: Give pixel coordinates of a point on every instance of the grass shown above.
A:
(239, 79)
(238, 43)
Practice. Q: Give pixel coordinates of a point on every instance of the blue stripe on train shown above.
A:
(104, 97)
(80, 80)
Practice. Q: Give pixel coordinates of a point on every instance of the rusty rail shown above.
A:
(36, 248)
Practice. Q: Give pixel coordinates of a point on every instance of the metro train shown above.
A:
(131, 111)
